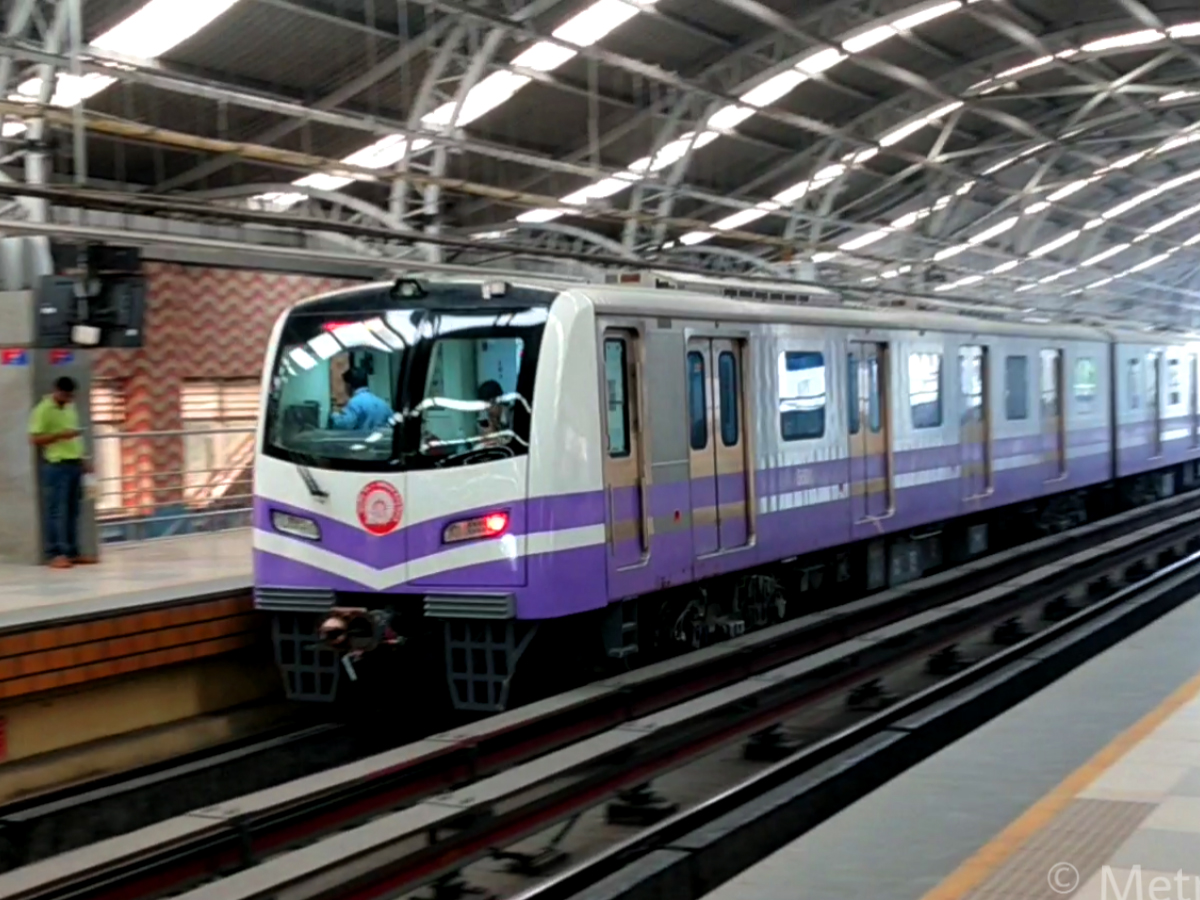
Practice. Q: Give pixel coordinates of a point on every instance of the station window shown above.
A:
(971, 364)
(728, 384)
(852, 395)
(219, 418)
(925, 389)
(108, 419)
(1086, 384)
(1152, 396)
(801, 395)
(618, 407)
(697, 400)
(1174, 383)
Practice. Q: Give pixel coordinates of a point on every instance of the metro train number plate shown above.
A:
(380, 508)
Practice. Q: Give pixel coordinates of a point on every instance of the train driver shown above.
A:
(364, 410)
(492, 427)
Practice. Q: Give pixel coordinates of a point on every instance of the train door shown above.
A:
(870, 444)
(1154, 401)
(975, 442)
(1053, 414)
(718, 441)
(624, 471)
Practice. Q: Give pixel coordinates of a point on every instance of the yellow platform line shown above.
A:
(974, 871)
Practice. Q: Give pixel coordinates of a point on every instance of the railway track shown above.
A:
(404, 818)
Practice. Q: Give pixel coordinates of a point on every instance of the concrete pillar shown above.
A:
(26, 374)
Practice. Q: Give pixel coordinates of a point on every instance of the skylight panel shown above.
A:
(1003, 164)
(1006, 266)
(868, 39)
(790, 195)
(943, 111)
(545, 57)
(160, 26)
(1118, 41)
(739, 218)
(539, 216)
(1034, 208)
(1178, 95)
(865, 240)
(695, 237)
(1126, 205)
(825, 256)
(909, 22)
(1105, 254)
(820, 61)
(322, 181)
(863, 155)
(1075, 186)
(1101, 283)
(1194, 239)
(728, 117)
(605, 187)
(995, 231)
(496, 89)
(1060, 241)
(896, 135)
(1173, 220)
(1146, 264)
(949, 252)
(1184, 30)
(596, 22)
(1057, 275)
(1024, 67)
(773, 88)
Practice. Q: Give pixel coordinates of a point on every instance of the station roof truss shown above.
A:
(1039, 156)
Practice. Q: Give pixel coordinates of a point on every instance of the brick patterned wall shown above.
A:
(200, 323)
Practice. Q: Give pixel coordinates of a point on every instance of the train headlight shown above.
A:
(491, 525)
(296, 526)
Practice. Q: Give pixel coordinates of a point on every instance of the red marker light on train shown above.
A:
(487, 526)
(334, 326)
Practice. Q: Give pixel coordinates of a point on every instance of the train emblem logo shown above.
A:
(380, 508)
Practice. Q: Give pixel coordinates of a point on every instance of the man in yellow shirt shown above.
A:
(54, 429)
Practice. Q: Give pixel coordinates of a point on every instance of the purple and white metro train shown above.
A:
(448, 466)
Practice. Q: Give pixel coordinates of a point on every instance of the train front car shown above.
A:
(393, 520)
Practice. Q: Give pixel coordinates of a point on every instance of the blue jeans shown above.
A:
(62, 490)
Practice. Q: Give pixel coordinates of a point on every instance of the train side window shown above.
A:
(925, 389)
(1016, 388)
(874, 411)
(697, 400)
(1153, 403)
(1133, 375)
(1174, 383)
(1086, 384)
(617, 379)
(801, 395)
(727, 382)
(852, 392)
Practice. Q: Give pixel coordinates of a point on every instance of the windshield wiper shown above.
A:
(306, 476)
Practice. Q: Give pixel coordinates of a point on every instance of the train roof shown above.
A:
(812, 306)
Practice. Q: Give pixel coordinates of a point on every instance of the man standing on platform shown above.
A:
(54, 428)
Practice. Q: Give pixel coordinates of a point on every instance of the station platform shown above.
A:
(1089, 789)
(144, 606)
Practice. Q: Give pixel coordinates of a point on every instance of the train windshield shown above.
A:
(404, 389)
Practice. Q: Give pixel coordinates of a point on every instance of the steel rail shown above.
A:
(407, 849)
(233, 835)
(693, 852)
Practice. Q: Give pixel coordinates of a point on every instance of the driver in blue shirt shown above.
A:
(364, 411)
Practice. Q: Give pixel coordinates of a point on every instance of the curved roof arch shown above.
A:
(1029, 153)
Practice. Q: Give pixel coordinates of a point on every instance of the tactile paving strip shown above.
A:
(1083, 836)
